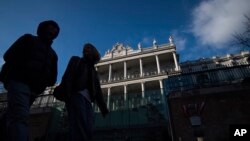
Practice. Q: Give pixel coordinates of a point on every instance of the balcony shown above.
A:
(136, 75)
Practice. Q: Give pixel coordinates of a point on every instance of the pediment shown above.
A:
(118, 48)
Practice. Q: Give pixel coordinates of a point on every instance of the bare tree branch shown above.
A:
(243, 38)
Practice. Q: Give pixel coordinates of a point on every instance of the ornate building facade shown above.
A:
(126, 75)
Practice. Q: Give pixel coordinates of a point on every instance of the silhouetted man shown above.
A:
(30, 66)
(83, 88)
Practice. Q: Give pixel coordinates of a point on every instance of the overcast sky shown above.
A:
(201, 28)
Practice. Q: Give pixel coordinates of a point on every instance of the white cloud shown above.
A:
(215, 21)
(179, 40)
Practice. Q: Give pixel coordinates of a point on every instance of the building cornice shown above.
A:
(165, 48)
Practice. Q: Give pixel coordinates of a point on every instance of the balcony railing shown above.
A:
(148, 73)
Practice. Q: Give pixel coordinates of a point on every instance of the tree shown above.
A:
(243, 38)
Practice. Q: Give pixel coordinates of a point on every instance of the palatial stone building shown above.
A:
(126, 73)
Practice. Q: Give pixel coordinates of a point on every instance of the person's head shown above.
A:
(91, 53)
(48, 30)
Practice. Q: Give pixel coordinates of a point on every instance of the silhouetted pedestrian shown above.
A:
(85, 90)
(30, 66)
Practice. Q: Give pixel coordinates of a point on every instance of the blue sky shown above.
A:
(201, 28)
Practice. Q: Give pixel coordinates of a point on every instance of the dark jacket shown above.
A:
(33, 62)
(86, 77)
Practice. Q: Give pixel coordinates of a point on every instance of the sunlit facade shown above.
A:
(130, 78)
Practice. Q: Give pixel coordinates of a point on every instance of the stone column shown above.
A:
(125, 70)
(125, 97)
(143, 101)
(108, 98)
(161, 84)
(110, 72)
(175, 61)
(142, 89)
(141, 68)
(163, 99)
(158, 64)
(161, 87)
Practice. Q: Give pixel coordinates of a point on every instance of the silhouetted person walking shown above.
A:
(30, 66)
(84, 90)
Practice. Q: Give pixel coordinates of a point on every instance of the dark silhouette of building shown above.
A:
(205, 101)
